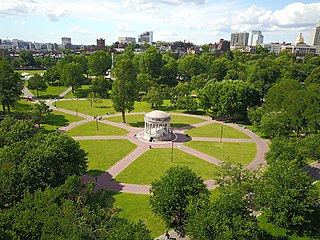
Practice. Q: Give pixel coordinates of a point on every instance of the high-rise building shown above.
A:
(66, 43)
(239, 40)
(315, 35)
(146, 37)
(101, 44)
(124, 40)
(256, 38)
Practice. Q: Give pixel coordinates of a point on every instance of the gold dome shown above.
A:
(299, 39)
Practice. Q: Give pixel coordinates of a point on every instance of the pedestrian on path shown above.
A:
(166, 234)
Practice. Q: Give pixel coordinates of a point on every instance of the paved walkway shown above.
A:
(106, 180)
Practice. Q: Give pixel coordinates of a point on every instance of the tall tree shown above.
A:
(171, 194)
(99, 62)
(40, 161)
(189, 66)
(286, 195)
(151, 62)
(11, 85)
(38, 83)
(72, 75)
(124, 89)
(26, 59)
(101, 86)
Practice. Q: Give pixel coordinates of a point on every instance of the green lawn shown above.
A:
(243, 153)
(214, 131)
(51, 92)
(90, 129)
(154, 163)
(133, 207)
(105, 107)
(102, 154)
(58, 119)
(83, 106)
(71, 95)
(137, 120)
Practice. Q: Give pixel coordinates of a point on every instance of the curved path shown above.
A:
(106, 180)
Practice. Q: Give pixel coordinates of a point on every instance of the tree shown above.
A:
(40, 161)
(286, 195)
(189, 66)
(72, 75)
(52, 76)
(37, 82)
(11, 85)
(26, 59)
(275, 124)
(40, 112)
(124, 89)
(229, 98)
(154, 97)
(101, 86)
(13, 130)
(99, 62)
(83, 61)
(66, 212)
(171, 194)
(93, 97)
(151, 62)
(230, 215)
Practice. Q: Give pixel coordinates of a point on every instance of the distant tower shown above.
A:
(146, 37)
(256, 38)
(239, 39)
(101, 44)
(66, 42)
(315, 35)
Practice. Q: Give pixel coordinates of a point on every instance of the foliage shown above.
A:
(154, 97)
(99, 62)
(229, 97)
(101, 86)
(13, 130)
(171, 194)
(65, 213)
(40, 161)
(124, 89)
(286, 196)
(151, 62)
(10, 85)
(72, 75)
(37, 82)
(52, 76)
(189, 66)
(40, 112)
(230, 215)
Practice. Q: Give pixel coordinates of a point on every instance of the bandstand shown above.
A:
(157, 126)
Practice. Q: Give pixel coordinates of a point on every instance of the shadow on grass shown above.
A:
(56, 120)
(103, 199)
(104, 107)
(48, 96)
(137, 124)
(179, 125)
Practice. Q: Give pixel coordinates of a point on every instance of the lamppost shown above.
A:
(77, 110)
(221, 131)
(97, 123)
(171, 151)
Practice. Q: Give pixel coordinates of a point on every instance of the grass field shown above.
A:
(83, 106)
(137, 120)
(242, 153)
(51, 92)
(214, 131)
(22, 105)
(71, 95)
(102, 154)
(58, 119)
(154, 163)
(90, 129)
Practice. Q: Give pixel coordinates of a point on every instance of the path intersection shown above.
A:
(106, 180)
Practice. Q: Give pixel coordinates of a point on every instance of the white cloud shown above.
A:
(16, 7)
(56, 14)
(124, 27)
(80, 30)
(139, 5)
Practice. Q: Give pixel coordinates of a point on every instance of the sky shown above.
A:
(197, 21)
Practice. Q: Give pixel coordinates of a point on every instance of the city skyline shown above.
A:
(198, 21)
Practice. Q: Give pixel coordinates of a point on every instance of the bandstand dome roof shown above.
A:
(157, 114)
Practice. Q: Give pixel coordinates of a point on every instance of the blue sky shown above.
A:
(198, 21)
